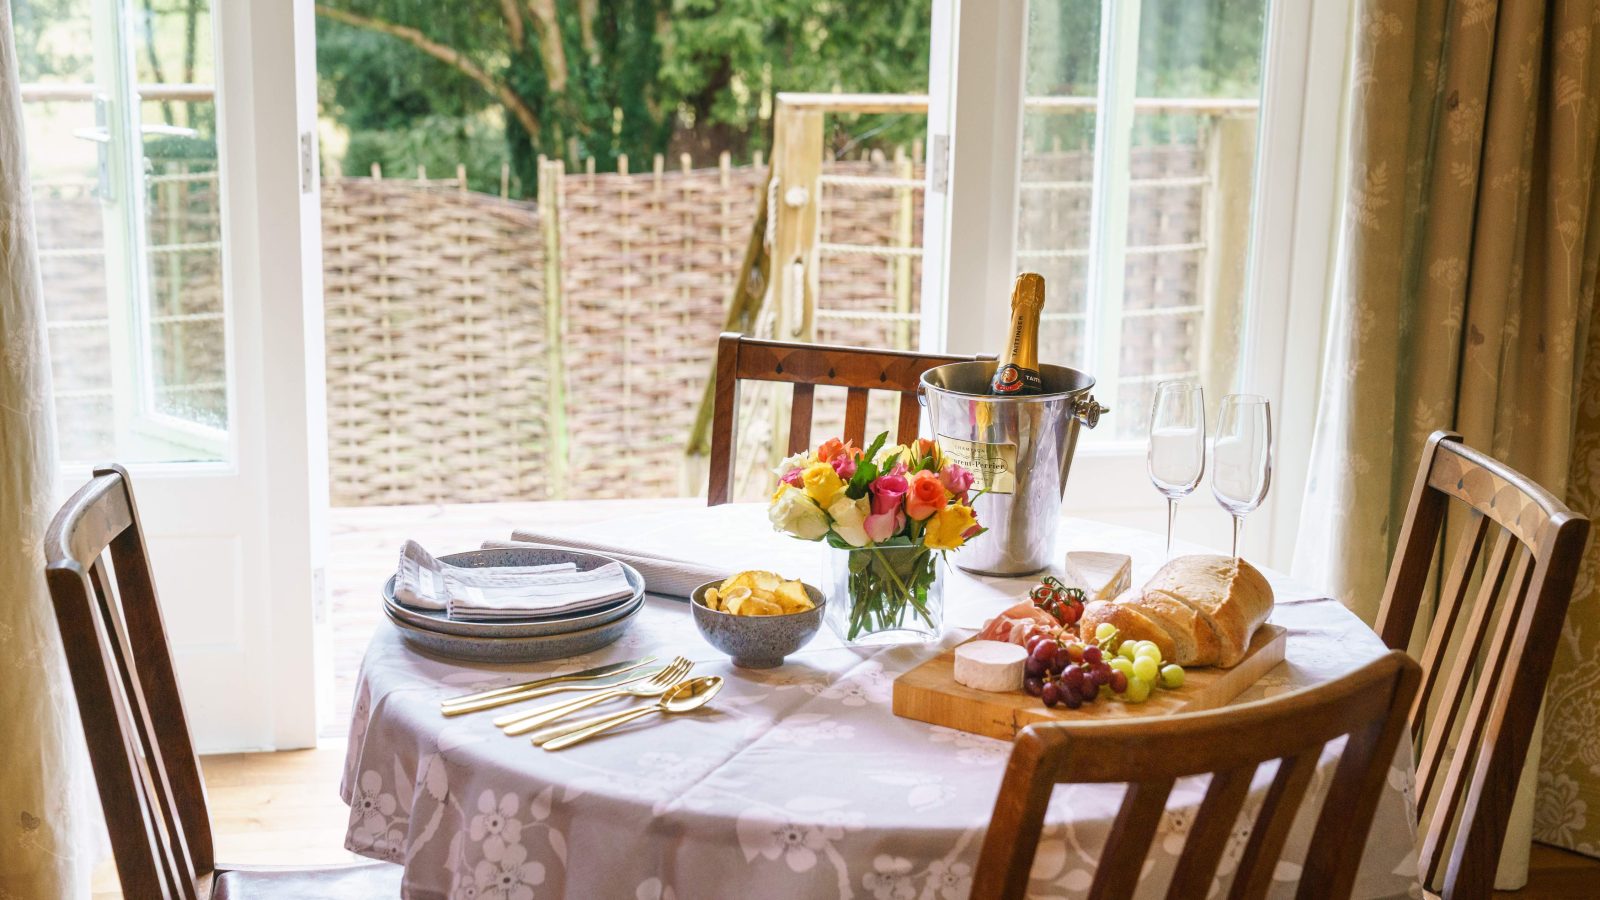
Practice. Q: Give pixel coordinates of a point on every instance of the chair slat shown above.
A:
(910, 418)
(1475, 729)
(800, 417)
(1122, 861)
(1453, 600)
(1259, 862)
(1213, 824)
(1457, 684)
(855, 416)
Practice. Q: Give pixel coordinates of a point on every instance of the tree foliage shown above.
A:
(602, 78)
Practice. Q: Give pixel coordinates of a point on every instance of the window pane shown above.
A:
(121, 133)
(1189, 167)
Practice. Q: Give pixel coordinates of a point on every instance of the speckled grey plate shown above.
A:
(544, 626)
(514, 649)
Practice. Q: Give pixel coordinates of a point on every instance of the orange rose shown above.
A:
(927, 495)
(833, 447)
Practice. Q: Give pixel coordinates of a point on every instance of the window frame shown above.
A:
(976, 94)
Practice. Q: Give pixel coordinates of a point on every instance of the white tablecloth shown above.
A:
(798, 782)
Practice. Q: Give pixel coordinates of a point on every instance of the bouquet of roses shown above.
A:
(894, 506)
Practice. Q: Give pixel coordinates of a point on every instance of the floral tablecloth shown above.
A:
(798, 782)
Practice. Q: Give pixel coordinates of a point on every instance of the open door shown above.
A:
(180, 244)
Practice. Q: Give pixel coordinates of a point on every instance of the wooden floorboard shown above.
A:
(284, 809)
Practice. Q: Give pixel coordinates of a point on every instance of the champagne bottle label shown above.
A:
(1013, 379)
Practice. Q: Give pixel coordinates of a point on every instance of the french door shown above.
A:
(179, 243)
(1124, 148)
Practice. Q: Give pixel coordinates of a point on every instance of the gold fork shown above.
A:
(521, 723)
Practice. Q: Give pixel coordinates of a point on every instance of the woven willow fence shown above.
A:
(482, 348)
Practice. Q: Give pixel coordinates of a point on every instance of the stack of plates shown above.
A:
(518, 640)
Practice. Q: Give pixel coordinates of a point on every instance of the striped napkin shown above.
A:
(504, 592)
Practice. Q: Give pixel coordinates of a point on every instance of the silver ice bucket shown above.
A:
(1019, 448)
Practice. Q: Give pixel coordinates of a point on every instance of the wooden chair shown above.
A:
(806, 366)
(1509, 631)
(1369, 705)
(139, 743)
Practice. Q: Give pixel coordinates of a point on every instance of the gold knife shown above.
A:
(586, 674)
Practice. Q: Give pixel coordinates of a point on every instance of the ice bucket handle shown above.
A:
(1088, 410)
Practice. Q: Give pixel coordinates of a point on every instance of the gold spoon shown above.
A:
(688, 695)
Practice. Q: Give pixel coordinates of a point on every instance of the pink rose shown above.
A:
(885, 525)
(887, 493)
(956, 480)
(793, 477)
(927, 495)
(845, 466)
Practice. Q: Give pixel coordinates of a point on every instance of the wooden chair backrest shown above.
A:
(122, 672)
(806, 366)
(1148, 755)
(1523, 585)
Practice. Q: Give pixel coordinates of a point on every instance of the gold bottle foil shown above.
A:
(1018, 370)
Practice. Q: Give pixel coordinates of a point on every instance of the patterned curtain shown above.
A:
(45, 786)
(1470, 241)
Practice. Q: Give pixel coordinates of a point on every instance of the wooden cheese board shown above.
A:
(930, 693)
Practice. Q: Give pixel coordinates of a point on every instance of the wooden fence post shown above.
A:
(904, 236)
(797, 167)
(1230, 164)
(551, 174)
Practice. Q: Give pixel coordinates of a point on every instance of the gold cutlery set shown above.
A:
(670, 685)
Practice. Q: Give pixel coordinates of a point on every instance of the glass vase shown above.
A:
(885, 595)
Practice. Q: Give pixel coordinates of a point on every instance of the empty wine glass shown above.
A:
(1241, 457)
(1177, 457)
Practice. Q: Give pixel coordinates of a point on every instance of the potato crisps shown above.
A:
(758, 593)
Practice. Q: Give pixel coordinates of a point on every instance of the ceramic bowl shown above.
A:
(756, 642)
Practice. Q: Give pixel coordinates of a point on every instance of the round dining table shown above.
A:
(797, 781)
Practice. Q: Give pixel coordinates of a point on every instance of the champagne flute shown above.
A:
(1241, 457)
(1177, 457)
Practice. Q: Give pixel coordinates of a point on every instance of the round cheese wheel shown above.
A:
(990, 665)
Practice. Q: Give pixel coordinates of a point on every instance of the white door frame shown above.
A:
(272, 205)
(975, 97)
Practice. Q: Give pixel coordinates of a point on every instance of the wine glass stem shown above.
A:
(1238, 523)
(1172, 515)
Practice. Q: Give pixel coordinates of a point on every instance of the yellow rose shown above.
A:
(822, 483)
(947, 526)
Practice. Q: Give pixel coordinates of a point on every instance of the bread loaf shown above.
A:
(1200, 610)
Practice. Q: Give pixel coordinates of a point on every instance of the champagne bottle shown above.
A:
(1018, 372)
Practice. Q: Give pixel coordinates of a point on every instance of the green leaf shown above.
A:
(877, 444)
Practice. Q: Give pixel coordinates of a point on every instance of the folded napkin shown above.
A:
(504, 592)
(662, 575)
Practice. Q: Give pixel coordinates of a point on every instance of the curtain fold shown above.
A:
(1464, 300)
(45, 783)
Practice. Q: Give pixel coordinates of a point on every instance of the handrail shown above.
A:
(918, 103)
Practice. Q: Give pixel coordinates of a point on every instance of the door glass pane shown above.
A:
(1191, 95)
(1058, 168)
(120, 126)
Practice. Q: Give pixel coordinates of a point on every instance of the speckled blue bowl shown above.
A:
(756, 642)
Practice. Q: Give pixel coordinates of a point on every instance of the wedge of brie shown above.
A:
(990, 665)
(1101, 576)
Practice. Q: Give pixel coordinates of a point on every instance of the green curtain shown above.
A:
(1464, 295)
(46, 850)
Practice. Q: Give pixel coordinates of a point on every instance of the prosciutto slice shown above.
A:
(1018, 623)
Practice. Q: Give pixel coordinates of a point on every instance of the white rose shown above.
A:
(792, 511)
(849, 520)
(797, 461)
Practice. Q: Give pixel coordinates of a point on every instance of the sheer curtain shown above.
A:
(1466, 283)
(46, 850)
